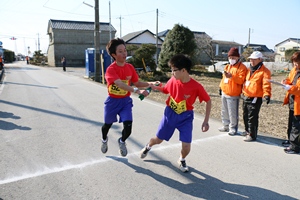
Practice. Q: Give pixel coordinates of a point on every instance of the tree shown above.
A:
(9, 56)
(180, 40)
(288, 53)
(146, 52)
(247, 52)
(206, 48)
(39, 58)
(131, 48)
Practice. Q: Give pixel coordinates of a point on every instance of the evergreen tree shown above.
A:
(180, 40)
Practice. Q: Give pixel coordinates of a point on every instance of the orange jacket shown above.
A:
(234, 85)
(294, 90)
(258, 85)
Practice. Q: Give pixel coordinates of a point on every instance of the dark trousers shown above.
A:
(291, 116)
(295, 133)
(251, 115)
(64, 66)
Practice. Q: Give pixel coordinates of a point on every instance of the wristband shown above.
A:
(135, 90)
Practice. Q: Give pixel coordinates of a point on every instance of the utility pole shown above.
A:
(38, 41)
(97, 43)
(120, 25)
(249, 37)
(156, 58)
(109, 23)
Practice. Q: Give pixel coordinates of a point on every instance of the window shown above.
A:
(282, 59)
(282, 49)
(296, 47)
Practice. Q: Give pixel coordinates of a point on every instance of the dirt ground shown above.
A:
(273, 117)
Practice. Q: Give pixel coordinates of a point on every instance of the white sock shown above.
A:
(148, 147)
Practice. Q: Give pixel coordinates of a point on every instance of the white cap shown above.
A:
(256, 55)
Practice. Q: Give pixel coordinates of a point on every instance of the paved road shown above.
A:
(50, 124)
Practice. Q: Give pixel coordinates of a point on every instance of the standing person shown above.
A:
(292, 98)
(183, 91)
(1, 62)
(231, 87)
(256, 87)
(27, 59)
(119, 76)
(64, 63)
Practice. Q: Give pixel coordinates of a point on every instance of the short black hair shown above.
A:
(181, 61)
(111, 46)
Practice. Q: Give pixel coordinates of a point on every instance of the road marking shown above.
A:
(47, 170)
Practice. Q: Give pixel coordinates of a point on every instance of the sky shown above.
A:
(267, 22)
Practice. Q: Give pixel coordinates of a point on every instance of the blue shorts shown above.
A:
(182, 122)
(117, 106)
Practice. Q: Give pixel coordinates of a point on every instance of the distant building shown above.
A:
(280, 48)
(71, 38)
(222, 47)
(143, 37)
(259, 47)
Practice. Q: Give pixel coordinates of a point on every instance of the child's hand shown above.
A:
(283, 81)
(205, 126)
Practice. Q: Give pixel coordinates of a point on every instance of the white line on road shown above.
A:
(47, 170)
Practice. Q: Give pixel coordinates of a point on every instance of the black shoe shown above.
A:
(286, 143)
(289, 150)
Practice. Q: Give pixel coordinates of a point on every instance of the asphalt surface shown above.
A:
(50, 136)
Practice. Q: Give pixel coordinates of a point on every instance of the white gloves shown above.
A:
(287, 87)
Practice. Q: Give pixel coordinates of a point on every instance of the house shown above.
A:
(142, 37)
(222, 47)
(71, 38)
(267, 53)
(280, 48)
(209, 49)
(259, 47)
(163, 34)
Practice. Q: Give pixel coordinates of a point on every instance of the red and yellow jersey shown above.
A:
(258, 85)
(233, 86)
(125, 73)
(182, 96)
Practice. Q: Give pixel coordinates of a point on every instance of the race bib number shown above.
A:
(115, 90)
(177, 107)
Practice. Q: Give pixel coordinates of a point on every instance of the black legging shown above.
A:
(126, 132)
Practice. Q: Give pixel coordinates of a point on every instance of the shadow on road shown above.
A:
(11, 126)
(206, 187)
(12, 83)
(8, 115)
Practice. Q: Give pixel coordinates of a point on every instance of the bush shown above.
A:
(9, 56)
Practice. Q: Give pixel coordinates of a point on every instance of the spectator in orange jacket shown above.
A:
(1, 63)
(231, 87)
(256, 87)
(292, 98)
